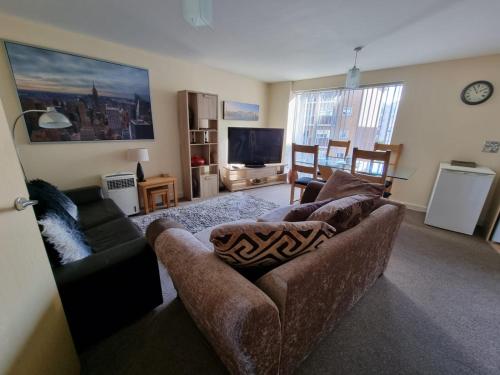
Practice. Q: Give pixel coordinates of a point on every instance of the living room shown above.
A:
(433, 308)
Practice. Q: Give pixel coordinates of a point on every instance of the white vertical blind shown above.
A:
(364, 116)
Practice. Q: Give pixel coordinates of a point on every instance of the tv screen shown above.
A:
(255, 146)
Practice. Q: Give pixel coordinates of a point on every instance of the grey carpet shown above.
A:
(435, 311)
(210, 212)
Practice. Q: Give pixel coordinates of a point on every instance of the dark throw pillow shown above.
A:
(345, 213)
(267, 245)
(303, 211)
(50, 198)
(343, 184)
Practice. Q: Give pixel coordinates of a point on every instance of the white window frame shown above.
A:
(374, 121)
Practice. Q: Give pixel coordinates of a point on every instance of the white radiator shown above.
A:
(121, 187)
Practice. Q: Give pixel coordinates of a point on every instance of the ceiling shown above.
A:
(278, 40)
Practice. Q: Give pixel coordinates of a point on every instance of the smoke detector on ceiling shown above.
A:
(198, 13)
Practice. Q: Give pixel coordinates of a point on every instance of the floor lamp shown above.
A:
(50, 119)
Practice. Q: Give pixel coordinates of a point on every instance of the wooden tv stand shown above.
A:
(238, 177)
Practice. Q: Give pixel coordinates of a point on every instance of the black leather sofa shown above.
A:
(115, 285)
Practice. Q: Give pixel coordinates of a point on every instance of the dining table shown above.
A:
(328, 164)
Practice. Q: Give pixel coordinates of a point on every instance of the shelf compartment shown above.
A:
(213, 153)
(195, 184)
(202, 150)
(207, 124)
(201, 137)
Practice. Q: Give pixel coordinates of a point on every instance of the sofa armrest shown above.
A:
(315, 290)
(311, 191)
(107, 290)
(84, 195)
(240, 321)
(157, 227)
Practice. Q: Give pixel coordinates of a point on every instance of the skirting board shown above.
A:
(411, 206)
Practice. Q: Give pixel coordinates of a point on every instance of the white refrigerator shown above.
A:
(458, 197)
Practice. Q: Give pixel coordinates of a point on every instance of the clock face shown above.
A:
(477, 92)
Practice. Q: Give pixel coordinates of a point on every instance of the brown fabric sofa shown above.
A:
(270, 326)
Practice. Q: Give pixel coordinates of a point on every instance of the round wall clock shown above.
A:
(477, 92)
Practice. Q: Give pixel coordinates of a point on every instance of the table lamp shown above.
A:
(50, 119)
(138, 155)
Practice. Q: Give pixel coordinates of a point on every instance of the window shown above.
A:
(365, 116)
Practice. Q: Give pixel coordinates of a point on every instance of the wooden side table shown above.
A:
(154, 183)
(163, 193)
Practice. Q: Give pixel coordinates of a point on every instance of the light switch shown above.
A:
(491, 146)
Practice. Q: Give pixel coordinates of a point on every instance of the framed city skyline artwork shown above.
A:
(104, 101)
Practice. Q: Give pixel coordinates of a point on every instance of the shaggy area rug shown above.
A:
(198, 216)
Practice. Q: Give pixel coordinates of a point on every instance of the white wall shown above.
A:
(79, 164)
(432, 123)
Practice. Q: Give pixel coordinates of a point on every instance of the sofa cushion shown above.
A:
(98, 212)
(266, 245)
(303, 211)
(112, 233)
(50, 198)
(346, 212)
(65, 242)
(275, 215)
(343, 184)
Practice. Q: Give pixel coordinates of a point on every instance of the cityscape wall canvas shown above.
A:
(104, 101)
(240, 111)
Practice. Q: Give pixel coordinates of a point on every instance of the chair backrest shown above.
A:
(341, 144)
(305, 149)
(395, 149)
(372, 156)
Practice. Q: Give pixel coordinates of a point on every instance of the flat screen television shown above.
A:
(255, 147)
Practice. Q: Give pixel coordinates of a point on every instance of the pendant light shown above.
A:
(198, 13)
(354, 74)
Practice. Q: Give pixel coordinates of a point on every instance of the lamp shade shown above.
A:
(138, 154)
(53, 120)
(198, 13)
(353, 78)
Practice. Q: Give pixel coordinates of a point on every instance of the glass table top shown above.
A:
(372, 168)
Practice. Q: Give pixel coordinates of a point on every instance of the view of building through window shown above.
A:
(364, 116)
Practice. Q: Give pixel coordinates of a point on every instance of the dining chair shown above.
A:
(340, 144)
(325, 172)
(396, 150)
(371, 156)
(301, 182)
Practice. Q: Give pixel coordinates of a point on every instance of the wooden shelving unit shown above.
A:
(199, 132)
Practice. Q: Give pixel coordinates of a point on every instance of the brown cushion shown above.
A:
(343, 184)
(267, 245)
(346, 212)
(303, 211)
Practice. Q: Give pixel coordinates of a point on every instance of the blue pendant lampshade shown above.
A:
(353, 77)
(198, 13)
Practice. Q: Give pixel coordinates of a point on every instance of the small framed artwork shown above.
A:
(491, 147)
(240, 111)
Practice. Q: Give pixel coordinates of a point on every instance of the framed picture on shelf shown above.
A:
(240, 111)
(104, 101)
